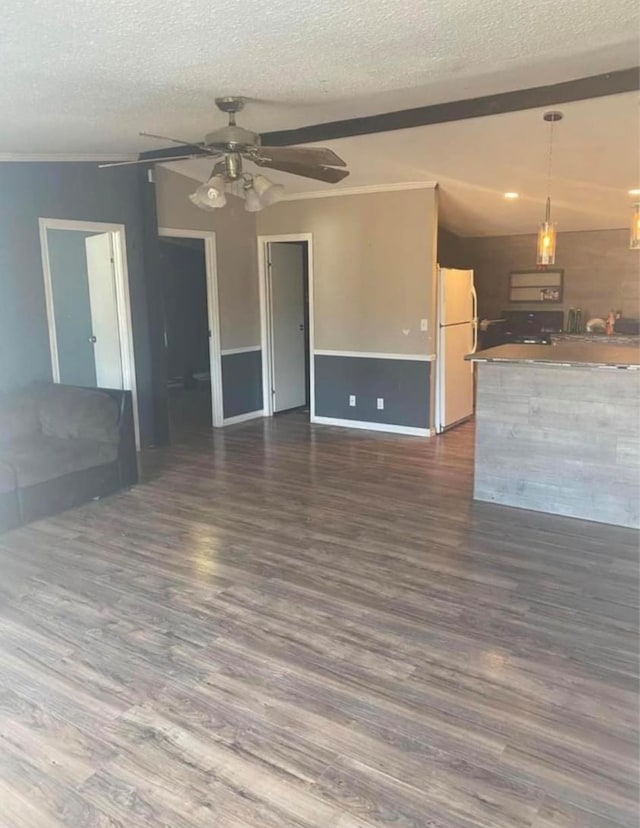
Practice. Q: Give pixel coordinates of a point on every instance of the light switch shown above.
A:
(424, 324)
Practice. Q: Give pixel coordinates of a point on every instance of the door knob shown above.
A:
(91, 339)
(301, 327)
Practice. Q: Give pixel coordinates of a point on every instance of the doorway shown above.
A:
(287, 330)
(188, 281)
(88, 307)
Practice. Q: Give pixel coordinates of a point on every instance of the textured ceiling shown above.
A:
(595, 163)
(85, 77)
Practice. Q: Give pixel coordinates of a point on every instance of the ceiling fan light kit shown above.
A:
(232, 144)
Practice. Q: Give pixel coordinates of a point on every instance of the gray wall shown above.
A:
(78, 191)
(403, 384)
(70, 288)
(373, 281)
(236, 252)
(453, 251)
(242, 383)
(373, 267)
(600, 272)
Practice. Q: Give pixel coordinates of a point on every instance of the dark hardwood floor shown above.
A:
(303, 627)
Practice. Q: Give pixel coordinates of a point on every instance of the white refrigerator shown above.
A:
(457, 336)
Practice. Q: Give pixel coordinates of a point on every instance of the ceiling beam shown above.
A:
(595, 86)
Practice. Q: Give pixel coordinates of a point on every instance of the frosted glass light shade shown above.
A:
(210, 195)
(267, 191)
(252, 202)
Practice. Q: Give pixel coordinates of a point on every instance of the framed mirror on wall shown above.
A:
(544, 286)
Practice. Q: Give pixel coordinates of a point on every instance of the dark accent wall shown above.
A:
(242, 383)
(453, 250)
(600, 272)
(78, 191)
(404, 384)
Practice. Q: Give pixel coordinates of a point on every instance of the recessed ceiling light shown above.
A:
(636, 191)
(511, 195)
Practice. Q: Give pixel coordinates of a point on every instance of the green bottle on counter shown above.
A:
(578, 320)
(571, 321)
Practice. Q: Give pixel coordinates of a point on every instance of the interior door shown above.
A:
(105, 338)
(71, 307)
(286, 269)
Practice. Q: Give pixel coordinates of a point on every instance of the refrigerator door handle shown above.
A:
(474, 297)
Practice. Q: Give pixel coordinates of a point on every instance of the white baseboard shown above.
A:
(376, 355)
(242, 418)
(391, 429)
(246, 350)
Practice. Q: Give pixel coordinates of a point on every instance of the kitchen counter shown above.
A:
(558, 430)
(599, 339)
(564, 353)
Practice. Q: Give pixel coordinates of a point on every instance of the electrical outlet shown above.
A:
(352, 400)
(380, 403)
(424, 324)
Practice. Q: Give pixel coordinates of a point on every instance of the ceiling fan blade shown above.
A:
(328, 174)
(198, 146)
(302, 155)
(154, 160)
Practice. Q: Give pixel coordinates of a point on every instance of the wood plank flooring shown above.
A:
(290, 626)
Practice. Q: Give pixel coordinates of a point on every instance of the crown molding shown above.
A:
(64, 157)
(369, 188)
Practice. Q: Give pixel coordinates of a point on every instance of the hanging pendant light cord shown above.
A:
(548, 210)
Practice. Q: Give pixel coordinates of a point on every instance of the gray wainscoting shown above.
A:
(403, 383)
(241, 383)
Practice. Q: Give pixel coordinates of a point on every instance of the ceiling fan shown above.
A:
(232, 145)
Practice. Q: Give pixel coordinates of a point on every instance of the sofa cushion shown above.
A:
(40, 458)
(79, 414)
(7, 479)
(19, 414)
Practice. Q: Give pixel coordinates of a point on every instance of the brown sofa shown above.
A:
(61, 446)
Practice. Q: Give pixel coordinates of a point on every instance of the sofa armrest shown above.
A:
(127, 455)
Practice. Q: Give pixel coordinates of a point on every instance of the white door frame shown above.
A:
(213, 314)
(264, 278)
(123, 299)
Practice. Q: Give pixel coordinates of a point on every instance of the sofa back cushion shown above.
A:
(79, 414)
(19, 414)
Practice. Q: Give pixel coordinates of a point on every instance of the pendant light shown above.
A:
(634, 243)
(547, 231)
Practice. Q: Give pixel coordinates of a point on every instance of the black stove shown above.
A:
(531, 327)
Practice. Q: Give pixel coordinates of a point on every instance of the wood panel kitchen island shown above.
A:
(558, 430)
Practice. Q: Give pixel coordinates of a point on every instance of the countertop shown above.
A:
(598, 339)
(563, 354)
